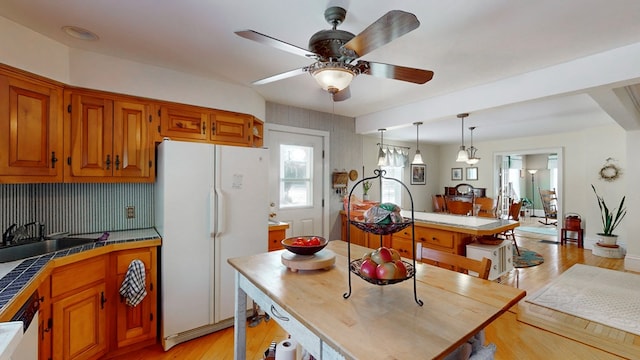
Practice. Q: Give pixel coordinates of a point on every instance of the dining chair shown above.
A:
(514, 214)
(488, 207)
(439, 203)
(458, 207)
(457, 262)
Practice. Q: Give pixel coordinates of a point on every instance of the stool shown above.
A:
(565, 238)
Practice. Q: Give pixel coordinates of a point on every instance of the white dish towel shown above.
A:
(133, 286)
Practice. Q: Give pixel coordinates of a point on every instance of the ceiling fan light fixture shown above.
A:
(333, 76)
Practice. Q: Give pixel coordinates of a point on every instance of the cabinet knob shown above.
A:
(108, 162)
(117, 162)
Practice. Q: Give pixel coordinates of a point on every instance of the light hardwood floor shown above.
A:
(514, 339)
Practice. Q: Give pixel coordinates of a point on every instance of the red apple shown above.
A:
(401, 272)
(395, 255)
(368, 269)
(385, 254)
(386, 271)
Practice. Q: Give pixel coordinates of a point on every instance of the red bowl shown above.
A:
(304, 249)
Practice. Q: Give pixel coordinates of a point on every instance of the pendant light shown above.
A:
(417, 159)
(381, 156)
(473, 159)
(462, 153)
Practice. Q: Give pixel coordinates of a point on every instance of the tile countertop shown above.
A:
(15, 275)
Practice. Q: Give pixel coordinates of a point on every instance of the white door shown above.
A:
(295, 180)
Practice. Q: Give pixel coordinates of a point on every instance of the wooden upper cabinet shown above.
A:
(131, 139)
(231, 128)
(90, 137)
(107, 139)
(30, 130)
(183, 122)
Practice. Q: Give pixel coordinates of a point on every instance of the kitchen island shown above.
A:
(443, 232)
(375, 322)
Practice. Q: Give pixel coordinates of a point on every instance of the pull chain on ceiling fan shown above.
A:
(337, 52)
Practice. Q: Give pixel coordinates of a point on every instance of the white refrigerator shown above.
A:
(211, 204)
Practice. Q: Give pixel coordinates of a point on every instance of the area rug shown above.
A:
(527, 258)
(609, 297)
(538, 230)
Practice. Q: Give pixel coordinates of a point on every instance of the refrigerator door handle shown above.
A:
(220, 213)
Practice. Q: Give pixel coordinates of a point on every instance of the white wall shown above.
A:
(421, 193)
(27, 50)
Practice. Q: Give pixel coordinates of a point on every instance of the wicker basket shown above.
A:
(382, 229)
(355, 268)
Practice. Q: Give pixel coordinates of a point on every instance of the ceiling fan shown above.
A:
(337, 52)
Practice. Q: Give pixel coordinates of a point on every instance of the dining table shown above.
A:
(335, 314)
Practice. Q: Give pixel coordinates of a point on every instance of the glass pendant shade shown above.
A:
(417, 159)
(462, 154)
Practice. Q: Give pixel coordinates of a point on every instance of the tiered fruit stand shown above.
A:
(381, 229)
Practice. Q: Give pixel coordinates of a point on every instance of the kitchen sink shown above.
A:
(35, 248)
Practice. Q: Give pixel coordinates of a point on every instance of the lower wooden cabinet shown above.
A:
(136, 324)
(83, 316)
(79, 309)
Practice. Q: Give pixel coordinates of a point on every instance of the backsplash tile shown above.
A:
(77, 208)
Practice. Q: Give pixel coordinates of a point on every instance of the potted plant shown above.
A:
(365, 190)
(610, 219)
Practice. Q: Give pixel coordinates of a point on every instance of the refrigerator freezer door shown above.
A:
(184, 181)
(241, 181)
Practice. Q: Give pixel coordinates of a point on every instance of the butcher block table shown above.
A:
(375, 322)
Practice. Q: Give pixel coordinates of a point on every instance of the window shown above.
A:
(392, 190)
(296, 173)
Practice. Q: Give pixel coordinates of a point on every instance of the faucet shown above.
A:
(7, 235)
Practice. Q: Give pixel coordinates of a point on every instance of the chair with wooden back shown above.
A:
(550, 206)
(458, 207)
(514, 214)
(439, 203)
(488, 207)
(457, 262)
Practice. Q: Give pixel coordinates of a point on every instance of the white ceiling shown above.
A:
(467, 43)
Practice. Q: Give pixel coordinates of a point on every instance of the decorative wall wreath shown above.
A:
(610, 171)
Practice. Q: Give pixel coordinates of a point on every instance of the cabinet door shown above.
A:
(44, 320)
(79, 330)
(30, 131)
(90, 137)
(136, 324)
(231, 128)
(403, 245)
(130, 139)
(183, 122)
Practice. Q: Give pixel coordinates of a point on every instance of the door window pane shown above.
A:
(296, 172)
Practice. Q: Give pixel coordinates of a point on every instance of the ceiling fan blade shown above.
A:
(417, 76)
(280, 76)
(273, 42)
(342, 95)
(390, 26)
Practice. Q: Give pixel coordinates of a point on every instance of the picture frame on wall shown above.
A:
(456, 174)
(472, 173)
(418, 174)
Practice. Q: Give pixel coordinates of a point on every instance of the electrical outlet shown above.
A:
(131, 212)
